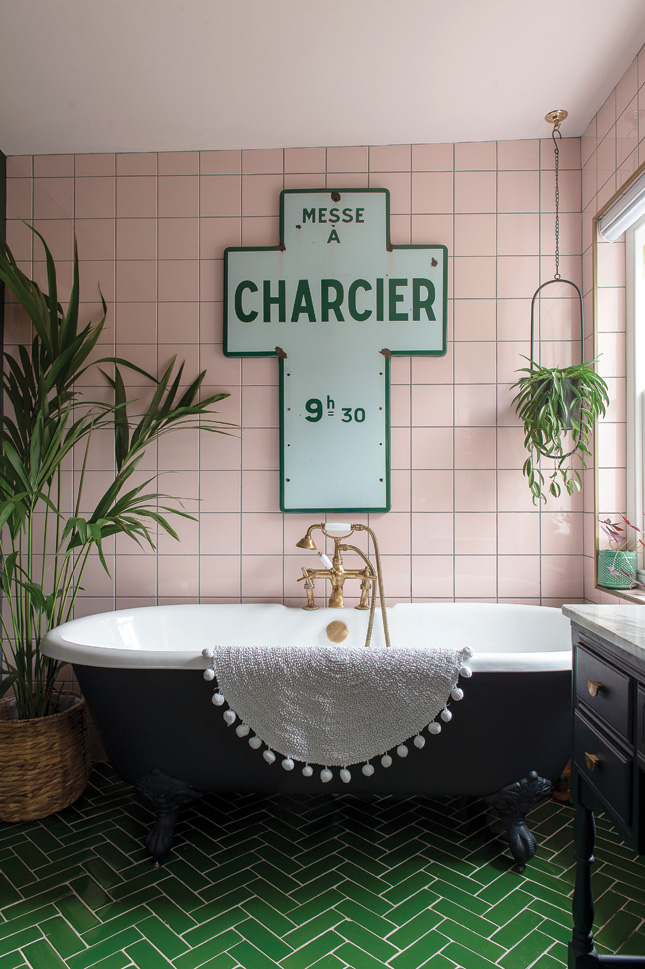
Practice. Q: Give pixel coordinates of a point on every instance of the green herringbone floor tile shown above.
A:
(323, 882)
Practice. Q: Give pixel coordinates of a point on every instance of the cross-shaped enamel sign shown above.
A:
(334, 301)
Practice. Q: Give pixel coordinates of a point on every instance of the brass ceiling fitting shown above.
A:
(556, 117)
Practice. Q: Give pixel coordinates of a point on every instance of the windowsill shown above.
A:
(630, 595)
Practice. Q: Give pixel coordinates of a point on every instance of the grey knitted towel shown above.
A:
(336, 705)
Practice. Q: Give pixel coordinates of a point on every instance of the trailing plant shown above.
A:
(558, 407)
(47, 429)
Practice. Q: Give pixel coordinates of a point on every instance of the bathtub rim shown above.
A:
(58, 644)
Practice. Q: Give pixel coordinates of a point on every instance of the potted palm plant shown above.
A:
(558, 407)
(47, 429)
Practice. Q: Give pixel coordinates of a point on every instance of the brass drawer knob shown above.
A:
(591, 760)
(594, 687)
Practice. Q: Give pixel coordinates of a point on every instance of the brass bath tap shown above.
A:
(335, 571)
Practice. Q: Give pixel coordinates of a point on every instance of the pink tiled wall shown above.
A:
(612, 148)
(151, 230)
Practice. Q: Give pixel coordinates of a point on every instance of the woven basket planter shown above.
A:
(44, 762)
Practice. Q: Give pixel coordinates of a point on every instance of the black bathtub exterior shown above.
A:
(509, 725)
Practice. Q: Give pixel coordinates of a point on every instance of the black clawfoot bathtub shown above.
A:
(508, 740)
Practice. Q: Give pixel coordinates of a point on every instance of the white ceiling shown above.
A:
(167, 75)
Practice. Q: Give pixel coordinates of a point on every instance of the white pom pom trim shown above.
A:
(326, 775)
(368, 769)
(434, 727)
(386, 760)
(345, 776)
(242, 730)
(307, 771)
(456, 693)
(402, 750)
(465, 671)
(269, 756)
(288, 764)
(218, 699)
(446, 715)
(230, 717)
(255, 743)
(208, 653)
(209, 674)
(419, 741)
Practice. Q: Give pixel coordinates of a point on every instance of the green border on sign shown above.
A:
(395, 353)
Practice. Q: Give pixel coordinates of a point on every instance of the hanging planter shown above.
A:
(558, 406)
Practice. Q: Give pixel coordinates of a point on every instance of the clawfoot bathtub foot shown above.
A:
(512, 804)
(167, 795)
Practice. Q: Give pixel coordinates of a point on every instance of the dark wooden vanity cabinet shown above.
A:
(608, 764)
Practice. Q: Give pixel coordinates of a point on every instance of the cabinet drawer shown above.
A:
(604, 690)
(604, 768)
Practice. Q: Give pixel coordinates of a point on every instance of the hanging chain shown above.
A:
(556, 149)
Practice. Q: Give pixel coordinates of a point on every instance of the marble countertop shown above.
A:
(623, 625)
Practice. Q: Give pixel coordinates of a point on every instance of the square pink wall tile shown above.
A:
(400, 489)
(570, 183)
(432, 448)
(511, 452)
(397, 578)
(261, 194)
(178, 321)
(390, 158)
(432, 230)
(475, 447)
(19, 198)
(431, 406)
(513, 493)
(136, 196)
(258, 371)
(220, 491)
(136, 238)
(432, 192)
(304, 160)
(94, 197)
(220, 452)
(261, 491)
(475, 192)
(219, 575)
(215, 234)
(178, 575)
(475, 277)
(20, 239)
(219, 533)
(518, 154)
(562, 576)
(262, 534)
(475, 405)
(347, 159)
(475, 235)
(432, 490)
(95, 238)
(136, 280)
(95, 164)
(519, 234)
(433, 158)
(300, 180)
(475, 319)
(178, 238)
(518, 575)
(432, 533)
(261, 230)
(136, 575)
(53, 166)
(260, 407)
(136, 163)
(211, 285)
(179, 450)
(475, 362)
(518, 532)
(475, 576)
(518, 192)
(262, 575)
(433, 370)
(261, 449)
(400, 449)
(59, 236)
(392, 532)
(476, 534)
(261, 161)
(220, 195)
(178, 280)
(561, 533)
(221, 369)
(178, 195)
(517, 275)
(475, 155)
(398, 185)
(178, 162)
(53, 198)
(475, 490)
(136, 323)
(606, 115)
(432, 576)
(220, 162)
(20, 166)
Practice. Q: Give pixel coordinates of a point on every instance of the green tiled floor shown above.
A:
(260, 882)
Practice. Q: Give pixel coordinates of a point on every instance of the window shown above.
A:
(635, 370)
